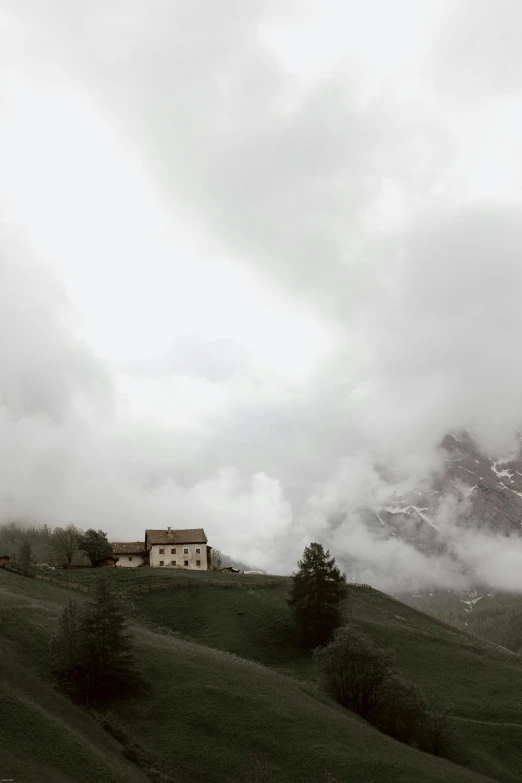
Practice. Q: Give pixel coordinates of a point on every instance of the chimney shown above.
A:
(168, 530)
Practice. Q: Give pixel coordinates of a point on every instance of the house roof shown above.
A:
(107, 557)
(128, 547)
(190, 536)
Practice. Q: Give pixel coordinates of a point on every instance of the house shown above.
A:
(109, 561)
(4, 559)
(130, 553)
(178, 548)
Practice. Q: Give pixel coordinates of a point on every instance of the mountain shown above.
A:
(486, 490)
(493, 485)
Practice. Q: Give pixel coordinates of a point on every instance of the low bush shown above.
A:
(359, 675)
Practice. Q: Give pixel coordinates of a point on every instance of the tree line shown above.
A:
(356, 672)
(59, 546)
(70, 545)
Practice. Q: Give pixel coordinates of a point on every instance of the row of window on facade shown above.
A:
(173, 551)
(173, 562)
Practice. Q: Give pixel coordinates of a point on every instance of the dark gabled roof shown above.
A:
(194, 535)
(107, 557)
(128, 547)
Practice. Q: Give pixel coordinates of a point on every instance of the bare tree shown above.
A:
(66, 541)
(25, 555)
(216, 561)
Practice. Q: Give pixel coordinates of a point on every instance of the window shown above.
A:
(162, 551)
(130, 558)
(173, 562)
(162, 562)
(185, 551)
(186, 562)
(198, 562)
(198, 551)
(172, 551)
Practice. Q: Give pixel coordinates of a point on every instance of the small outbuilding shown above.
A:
(4, 559)
(109, 561)
(131, 554)
(229, 570)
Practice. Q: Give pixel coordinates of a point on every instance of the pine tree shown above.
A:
(112, 663)
(317, 591)
(69, 652)
(91, 653)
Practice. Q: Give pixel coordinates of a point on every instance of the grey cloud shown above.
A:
(478, 54)
(283, 174)
(445, 341)
(45, 369)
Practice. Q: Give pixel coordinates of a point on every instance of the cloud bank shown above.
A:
(333, 189)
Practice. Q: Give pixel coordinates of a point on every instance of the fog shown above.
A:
(252, 271)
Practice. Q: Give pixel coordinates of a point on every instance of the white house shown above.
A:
(130, 553)
(166, 549)
(178, 548)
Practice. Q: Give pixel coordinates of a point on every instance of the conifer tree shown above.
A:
(91, 653)
(69, 652)
(112, 663)
(317, 591)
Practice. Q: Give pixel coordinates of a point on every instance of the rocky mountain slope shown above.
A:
(487, 490)
(474, 493)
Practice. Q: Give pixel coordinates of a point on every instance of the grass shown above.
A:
(215, 716)
(43, 737)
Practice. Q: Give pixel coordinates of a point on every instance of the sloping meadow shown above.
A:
(231, 697)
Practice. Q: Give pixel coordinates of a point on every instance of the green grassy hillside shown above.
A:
(497, 617)
(213, 716)
(43, 737)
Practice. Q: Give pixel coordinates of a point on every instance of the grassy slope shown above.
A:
(215, 717)
(479, 682)
(495, 617)
(42, 735)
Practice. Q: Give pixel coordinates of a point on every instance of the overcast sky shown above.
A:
(249, 252)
